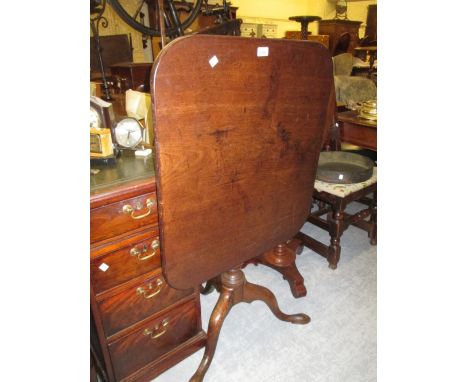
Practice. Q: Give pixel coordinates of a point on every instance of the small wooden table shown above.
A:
(358, 131)
(305, 20)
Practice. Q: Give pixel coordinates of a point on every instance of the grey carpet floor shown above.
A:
(338, 345)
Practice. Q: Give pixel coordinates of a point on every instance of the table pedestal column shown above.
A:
(304, 20)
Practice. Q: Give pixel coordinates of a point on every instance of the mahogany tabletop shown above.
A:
(238, 125)
(305, 18)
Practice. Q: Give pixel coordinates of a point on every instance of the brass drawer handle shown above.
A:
(137, 252)
(158, 330)
(128, 209)
(143, 291)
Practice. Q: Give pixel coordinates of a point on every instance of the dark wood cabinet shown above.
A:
(132, 75)
(141, 326)
(335, 28)
(371, 23)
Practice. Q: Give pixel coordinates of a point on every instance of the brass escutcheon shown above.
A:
(128, 209)
(143, 291)
(137, 252)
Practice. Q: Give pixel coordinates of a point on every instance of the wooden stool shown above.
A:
(332, 199)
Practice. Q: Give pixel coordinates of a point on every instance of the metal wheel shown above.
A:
(178, 15)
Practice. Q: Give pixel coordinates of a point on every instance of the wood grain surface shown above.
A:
(237, 146)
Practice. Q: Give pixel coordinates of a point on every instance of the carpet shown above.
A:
(338, 345)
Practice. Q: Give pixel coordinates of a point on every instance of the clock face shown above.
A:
(94, 119)
(128, 133)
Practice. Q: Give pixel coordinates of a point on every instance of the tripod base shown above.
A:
(283, 259)
(235, 289)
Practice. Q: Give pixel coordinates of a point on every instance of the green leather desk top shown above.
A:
(127, 169)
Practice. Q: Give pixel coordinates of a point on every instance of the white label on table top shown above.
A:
(262, 51)
(340, 176)
(213, 61)
(103, 267)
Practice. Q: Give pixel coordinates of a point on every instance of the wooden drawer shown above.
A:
(155, 339)
(136, 258)
(137, 303)
(124, 216)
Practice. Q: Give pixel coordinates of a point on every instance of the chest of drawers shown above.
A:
(140, 325)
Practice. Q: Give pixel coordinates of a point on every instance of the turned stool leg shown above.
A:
(373, 220)
(236, 289)
(336, 230)
(321, 204)
(283, 259)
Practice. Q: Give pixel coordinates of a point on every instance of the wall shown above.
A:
(278, 12)
(251, 11)
(275, 12)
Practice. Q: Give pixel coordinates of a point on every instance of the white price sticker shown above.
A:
(103, 267)
(213, 61)
(340, 176)
(262, 51)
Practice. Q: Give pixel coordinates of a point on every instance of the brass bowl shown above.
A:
(371, 103)
(369, 116)
(368, 110)
(344, 167)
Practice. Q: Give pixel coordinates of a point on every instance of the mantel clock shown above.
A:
(101, 125)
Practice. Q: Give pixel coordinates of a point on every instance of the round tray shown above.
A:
(369, 116)
(343, 167)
